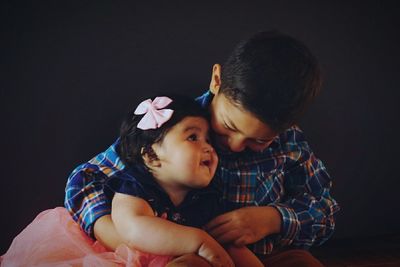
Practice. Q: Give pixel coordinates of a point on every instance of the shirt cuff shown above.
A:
(290, 226)
(88, 226)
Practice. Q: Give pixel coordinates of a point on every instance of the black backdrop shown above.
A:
(69, 72)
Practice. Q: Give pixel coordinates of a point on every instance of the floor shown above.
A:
(382, 251)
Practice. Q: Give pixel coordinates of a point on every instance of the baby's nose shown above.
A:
(208, 148)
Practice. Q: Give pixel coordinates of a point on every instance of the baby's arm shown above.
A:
(136, 223)
(243, 257)
(106, 234)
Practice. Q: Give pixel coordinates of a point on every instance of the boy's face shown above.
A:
(235, 128)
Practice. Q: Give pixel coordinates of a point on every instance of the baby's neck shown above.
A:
(177, 197)
(176, 193)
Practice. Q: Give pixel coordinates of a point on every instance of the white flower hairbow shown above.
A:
(155, 115)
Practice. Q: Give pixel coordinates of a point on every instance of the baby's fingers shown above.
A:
(222, 262)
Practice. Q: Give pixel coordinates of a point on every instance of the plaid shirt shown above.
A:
(286, 175)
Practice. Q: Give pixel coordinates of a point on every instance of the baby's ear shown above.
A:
(150, 158)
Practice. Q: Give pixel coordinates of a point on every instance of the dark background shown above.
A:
(69, 72)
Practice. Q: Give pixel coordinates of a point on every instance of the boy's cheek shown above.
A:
(217, 128)
(219, 131)
(218, 137)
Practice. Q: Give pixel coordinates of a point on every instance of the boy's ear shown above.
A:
(150, 159)
(215, 83)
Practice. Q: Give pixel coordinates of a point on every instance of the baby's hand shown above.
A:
(215, 254)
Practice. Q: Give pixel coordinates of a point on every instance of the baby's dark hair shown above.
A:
(272, 75)
(135, 142)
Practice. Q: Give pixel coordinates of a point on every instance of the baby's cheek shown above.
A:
(188, 163)
(215, 161)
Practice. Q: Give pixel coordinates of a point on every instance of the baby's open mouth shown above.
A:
(206, 163)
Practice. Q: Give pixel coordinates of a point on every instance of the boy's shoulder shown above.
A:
(292, 138)
(292, 147)
(288, 147)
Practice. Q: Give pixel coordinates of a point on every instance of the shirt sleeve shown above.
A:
(84, 195)
(124, 183)
(308, 210)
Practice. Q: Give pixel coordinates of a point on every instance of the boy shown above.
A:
(277, 190)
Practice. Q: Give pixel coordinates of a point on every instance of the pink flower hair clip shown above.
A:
(154, 113)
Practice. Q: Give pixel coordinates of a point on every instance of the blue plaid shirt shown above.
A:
(286, 175)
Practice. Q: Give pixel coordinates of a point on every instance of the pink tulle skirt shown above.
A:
(55, 239)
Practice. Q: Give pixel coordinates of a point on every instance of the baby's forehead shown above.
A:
(192, 123)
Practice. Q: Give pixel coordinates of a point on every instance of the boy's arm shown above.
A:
(134, 219)
(84, 196)
(305, 218)
(308, 213)
(245, 225)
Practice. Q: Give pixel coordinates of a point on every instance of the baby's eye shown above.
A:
(192, 137)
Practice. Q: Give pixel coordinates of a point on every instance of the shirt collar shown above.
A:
(205, 99)
(141, 174)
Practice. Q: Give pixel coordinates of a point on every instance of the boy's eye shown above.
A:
(227, 127)
(192, 137)
(262, 142)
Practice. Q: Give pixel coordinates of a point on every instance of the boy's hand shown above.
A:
(245, 225)
(215, 254)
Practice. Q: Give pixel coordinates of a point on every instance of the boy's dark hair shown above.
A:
(272, 75)
(135, 142)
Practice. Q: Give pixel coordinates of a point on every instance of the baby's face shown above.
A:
(186, 155)
(237, 129)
